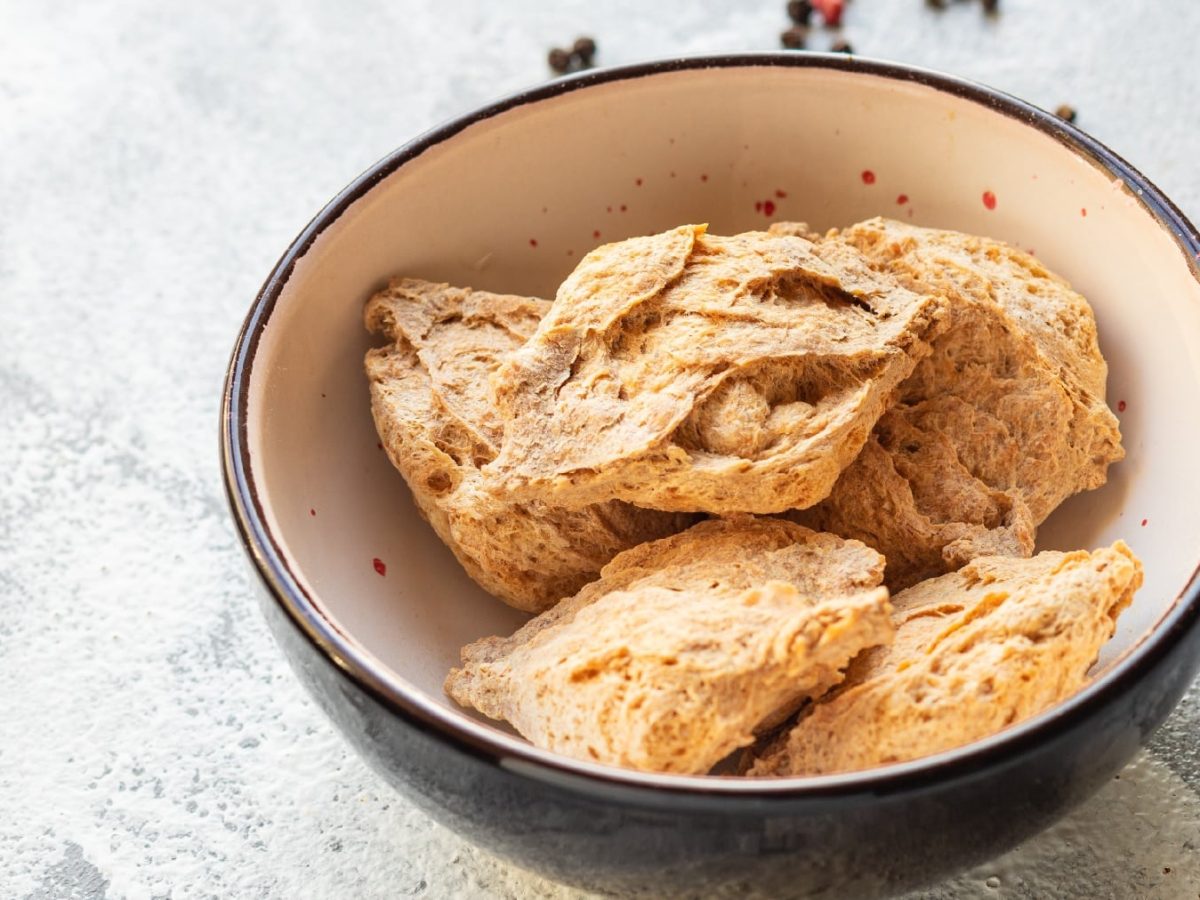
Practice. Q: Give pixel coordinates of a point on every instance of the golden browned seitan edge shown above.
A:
(992, 430)
(435, 418)
(685, 646)
(975, 651)
(689, 371)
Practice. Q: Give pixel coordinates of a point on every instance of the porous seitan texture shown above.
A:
(975, 651)
(687, 371)
(685, 646)
(1004, 420)
(429, 396)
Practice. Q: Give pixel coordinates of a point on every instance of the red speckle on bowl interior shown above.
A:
(1083, 212)
(322, 395)
(638, 182)
(533, 242)
(312, 512)
(704, 177)
(624, 207)
(780, 195)
(670, 140)
(609, 209)
(1145, 522)
(1121, 406)
(570, 252)
(758, 206)
(902, 199)
(868, 177)
(596, 233)
(989, 199)
(672, 174)
(379, 444)
(769, 207)
(380, 565)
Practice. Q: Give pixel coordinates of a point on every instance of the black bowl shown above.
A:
(370, 609)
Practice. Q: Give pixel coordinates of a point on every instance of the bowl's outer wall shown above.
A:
(645, 842)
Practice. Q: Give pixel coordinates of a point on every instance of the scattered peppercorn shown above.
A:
(580, 56)
(559, 60)
(1065, 112)
(841, 45)
(794, 38)
(800, 11)
(991, 7)
(585, 49)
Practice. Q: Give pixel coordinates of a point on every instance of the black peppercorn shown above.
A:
(794, 38)
(800, 11)
(585, 49)
(1066, 112)
(841, 45)
(559, 60)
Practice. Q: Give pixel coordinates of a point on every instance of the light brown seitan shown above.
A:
(687, 371)
(975, 651)
(998, 425)
(685, 646)
(429, 396)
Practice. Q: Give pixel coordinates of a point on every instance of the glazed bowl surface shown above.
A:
(372, 609)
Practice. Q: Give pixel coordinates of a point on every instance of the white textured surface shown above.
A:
(155, 159)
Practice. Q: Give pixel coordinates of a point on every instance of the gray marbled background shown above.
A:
(155, 159)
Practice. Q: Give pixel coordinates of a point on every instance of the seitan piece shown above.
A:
(975, 651)
(429, 396)
(687, 371)
(1003, 421)
(685, 646)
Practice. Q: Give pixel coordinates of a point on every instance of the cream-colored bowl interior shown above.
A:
(511, 202)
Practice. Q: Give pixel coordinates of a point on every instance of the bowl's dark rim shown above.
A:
(360, 666)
